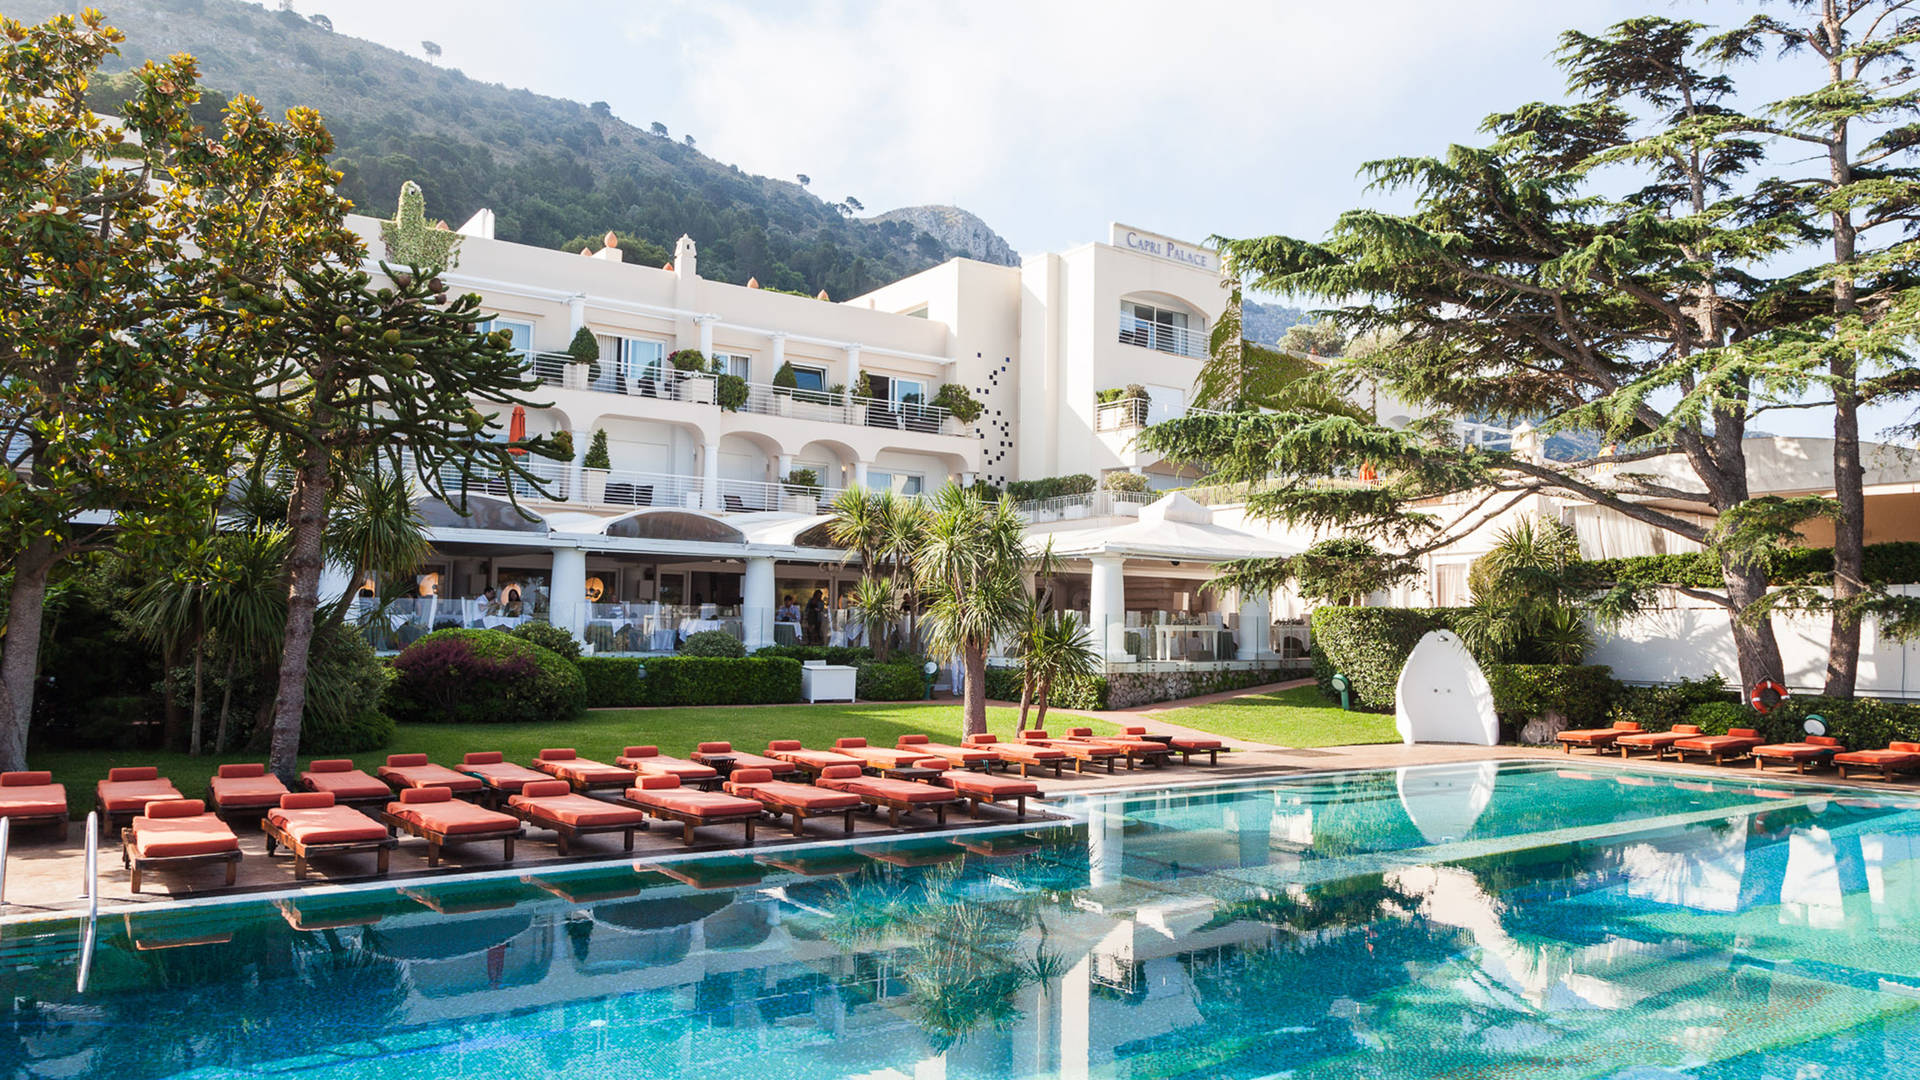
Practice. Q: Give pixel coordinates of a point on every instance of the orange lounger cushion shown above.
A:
(749, 761)
(127, 790)
(415, 771)
(953, 755)
(436, 809)
(1812, 748)
(1734, 741)
(1126, 742)
(1896, 755)
(554, 800)
(568, 765)
(760, 784)
(497, 773)
(987, 785)
(648, 760)
(880, 757)
(173, 828)
(245, 787)
(31, 794)
(1069, 747)
(1022, 751)
(790, 750)
(339, 777)
(850, 778)
(1656, 739)
(1592, 736)
(1184, 742)
(665, 793)
(312, 818)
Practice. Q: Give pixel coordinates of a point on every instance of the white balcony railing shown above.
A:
(1160, 337)
(1092, 504)
(625, 488)
(1121, 415)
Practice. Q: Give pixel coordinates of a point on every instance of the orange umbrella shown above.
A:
(517, 428)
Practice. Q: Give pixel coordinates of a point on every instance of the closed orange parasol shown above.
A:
(517, 428)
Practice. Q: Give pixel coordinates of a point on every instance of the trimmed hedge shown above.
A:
(832, 654)
(614, 681)
(712, 643)
(1859, 723)
(1050, 487)
(1657, 708)
(1893, 563)
(1580, 692)
(899, 679)
(1369, 645)
(1003, 684)
(549, 637)
(483, 677)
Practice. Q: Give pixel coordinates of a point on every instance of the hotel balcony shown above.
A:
(1161, 337)
(621, 489)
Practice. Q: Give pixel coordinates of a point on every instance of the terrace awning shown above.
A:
(1175, 527)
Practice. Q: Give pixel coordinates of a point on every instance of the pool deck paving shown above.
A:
(45, 876)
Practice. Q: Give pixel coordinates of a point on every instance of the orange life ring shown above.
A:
(1759, 701)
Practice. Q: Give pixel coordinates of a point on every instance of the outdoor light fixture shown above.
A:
(639, 671)
(1816, 724)
(930, 669)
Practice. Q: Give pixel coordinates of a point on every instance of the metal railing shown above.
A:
(646, 627)
(1089, 505)
(1121, 415)
(626, 488)
(1178, 340)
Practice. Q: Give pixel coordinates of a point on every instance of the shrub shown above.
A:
(549, 637)
(346, 687)
(1003, 684)
(585, 349)
(898, 679)
(832, 654)
(597, 456)
(709, 680)
(1051, 487)
(712, 643)
(1122, 480)
(957, 400)
(1580, 692)
(483, 676)
(1657, 708)
(1894, 563)
(1859, 723)
(611, 681)
(730, 392)
(687, 360)
(1369, 645)
(1716, 717)
(784, 378)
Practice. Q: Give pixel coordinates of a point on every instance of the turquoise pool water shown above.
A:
(1464, 921)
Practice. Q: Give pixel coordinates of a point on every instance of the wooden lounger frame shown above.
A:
(1886, 769)
(1186, 753)
(437, 840)
(974, 801)
(689, 822)
(896, 807)
(565, 833)
(24, 820)
(279, 837)
(138, 864)
(800, 814)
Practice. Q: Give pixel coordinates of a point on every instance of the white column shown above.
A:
(1107, 607)
(860, 474)
(853, 367)
(710, 475)
(567, 607)
(968, 479)
(576, 314)
(757, 603)
(1255, 625)
(779, 354)
(706, 335)
(782, 467)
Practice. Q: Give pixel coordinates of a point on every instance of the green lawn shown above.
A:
(1298, 717)
(600, 735)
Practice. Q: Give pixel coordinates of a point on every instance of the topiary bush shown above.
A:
(483, 677)
(1369, 645)
(712, 643)
(687, 360)
(1051, 487)
(549, 637)
(730, 392)
(597, 456)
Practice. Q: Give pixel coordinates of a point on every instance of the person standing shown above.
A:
(814, 624)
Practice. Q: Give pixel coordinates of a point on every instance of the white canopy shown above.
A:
(1175, 527)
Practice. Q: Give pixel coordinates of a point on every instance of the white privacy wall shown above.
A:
(1689, 639)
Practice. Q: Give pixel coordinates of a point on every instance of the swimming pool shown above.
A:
(1481, 920)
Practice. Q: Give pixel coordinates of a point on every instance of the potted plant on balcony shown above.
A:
(730, 391)
(784, 384)
(959, 403)
(697, 388)
(583, 365)
(803, 491)
(593, 468)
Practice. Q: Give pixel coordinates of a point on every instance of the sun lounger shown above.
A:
(1025, 755)
(1813, 750)
(502, 777)
(979, 788)
(880, 757)
(348, 786)
(957, 757)
(244, 789)
(125, 793)
(404, 771)
(798, 801)
(1138, 750)
(553, 805)
(1080, 752)
(1596, 739)
(649, 761)
(1719, 748)
(310, 823)
(171, 834)
(1896, 758)
(32, 798)
(722, 756)
(1657, 741)
(433, 814)
(1184, 745)
(897, 797)
(584, 774)
(665, 798)
(811, 762)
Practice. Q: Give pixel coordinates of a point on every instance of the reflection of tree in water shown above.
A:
(961, 959)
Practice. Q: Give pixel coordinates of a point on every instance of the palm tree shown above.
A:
(1056, 646)
(971, 567)
(374, 530)
(876, 604)
(903, 523)
(170, 611)
(1524, 591)
(249, 611)
(856, 526)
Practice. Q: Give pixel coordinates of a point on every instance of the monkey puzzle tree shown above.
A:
(1533, 279)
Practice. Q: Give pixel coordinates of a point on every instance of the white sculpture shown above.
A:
(1442, 697)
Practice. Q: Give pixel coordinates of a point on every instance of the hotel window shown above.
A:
(734, 364)
(898, 483)
(809, 378)
(522, 332)
(641, 359)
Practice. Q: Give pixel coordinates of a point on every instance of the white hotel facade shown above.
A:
(691, 526)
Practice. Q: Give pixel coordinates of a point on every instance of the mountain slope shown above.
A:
(552, 170)
(963, 233)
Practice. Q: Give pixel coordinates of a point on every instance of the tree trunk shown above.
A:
(199, 668)
(226, 709)
(304, 559)
(1046, 690)
(20, 649)
(1849, 537)
(1026, 701)
(1759, 653)
(173, 722)
(974, 703)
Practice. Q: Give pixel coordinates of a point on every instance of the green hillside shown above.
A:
(555, 172)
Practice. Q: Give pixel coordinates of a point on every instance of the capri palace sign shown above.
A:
(1165, 247)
